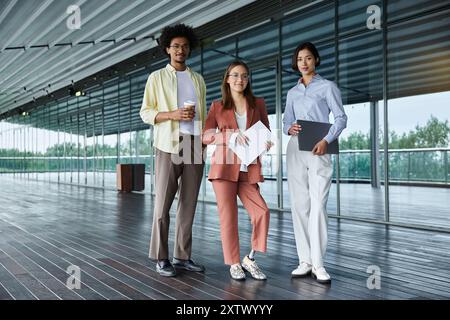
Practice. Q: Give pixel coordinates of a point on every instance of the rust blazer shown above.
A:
(225, 164)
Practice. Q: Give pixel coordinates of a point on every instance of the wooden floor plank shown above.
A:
(107, 235)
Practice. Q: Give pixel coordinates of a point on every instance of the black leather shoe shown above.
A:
(188, 265)
(165, 268)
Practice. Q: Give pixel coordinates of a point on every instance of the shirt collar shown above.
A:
(314, 78)
(170, 68)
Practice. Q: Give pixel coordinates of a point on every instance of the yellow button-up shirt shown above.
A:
(161, 96)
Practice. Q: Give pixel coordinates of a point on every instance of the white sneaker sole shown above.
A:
(320, 280)
(304, 275)
(259, 279)
(237, 279)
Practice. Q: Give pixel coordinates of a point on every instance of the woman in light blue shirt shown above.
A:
(309, 173)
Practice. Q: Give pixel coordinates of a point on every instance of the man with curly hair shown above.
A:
(174, 104)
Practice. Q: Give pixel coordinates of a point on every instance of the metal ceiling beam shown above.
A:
(35, 40)
(87, 19)
(138, 17)
(108, 21)
(7, 9)
(52, 44)
(38, 91)
(93, 53)
(216, 12)
(71, 57)
(173, 9)
(27, 23)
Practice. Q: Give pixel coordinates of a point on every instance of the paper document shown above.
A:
(258, 135)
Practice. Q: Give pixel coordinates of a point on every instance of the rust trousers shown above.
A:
(226, 196)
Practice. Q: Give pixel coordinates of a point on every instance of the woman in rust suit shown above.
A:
(238, 110)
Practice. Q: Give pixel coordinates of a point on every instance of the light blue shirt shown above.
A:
(314, 103)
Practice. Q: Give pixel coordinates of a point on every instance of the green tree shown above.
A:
(143, 143)
(422, 165)
(433, 134)
(355, 141)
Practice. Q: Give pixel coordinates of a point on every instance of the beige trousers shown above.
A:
(183, 173)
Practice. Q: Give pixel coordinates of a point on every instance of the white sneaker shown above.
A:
(302, 270)
(321, 275)
(252, 267)
(236, 272)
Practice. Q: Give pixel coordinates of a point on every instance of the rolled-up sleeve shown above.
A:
(149, 108)
(289, 116)
(334, 102)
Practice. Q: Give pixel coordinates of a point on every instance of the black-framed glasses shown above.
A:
(236, 76)
(177, 47)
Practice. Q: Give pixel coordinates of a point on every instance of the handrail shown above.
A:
(353, 164)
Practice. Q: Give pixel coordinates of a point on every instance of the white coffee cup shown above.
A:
(189, 103)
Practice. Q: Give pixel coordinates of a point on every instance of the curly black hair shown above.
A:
(179, 30)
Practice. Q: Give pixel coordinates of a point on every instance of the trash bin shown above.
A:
(130, 177)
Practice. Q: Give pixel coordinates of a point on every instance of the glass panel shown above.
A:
(97, 152)
(359, 15)
(419, 91)
(259, 43)
(316, 24)
(216, 57)
(75, 152)
(125, 148)
(264, 85)
(82, 164)
(361, 84)
(418, 159)
(110, 156)
(90, 160)
(52, 148)
(143, 154)
(398, 9)
(65, 163)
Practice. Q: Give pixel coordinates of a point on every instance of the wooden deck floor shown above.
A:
(46, 227)
(421, 206)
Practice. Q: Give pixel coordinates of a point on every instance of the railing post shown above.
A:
(446, 165)
(374, 145)
(409, 166)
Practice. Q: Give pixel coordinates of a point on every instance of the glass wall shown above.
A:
(391, 67)
(418, 115)
(360, 80)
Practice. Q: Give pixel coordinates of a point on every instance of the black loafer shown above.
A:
(187, 265)
(165, 268)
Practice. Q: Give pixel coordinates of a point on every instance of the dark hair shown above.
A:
(179, 30)
(308, 46)
(227, 99)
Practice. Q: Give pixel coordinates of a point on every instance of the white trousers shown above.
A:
(309, 181)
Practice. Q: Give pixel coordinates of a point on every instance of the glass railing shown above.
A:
(428, 165)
